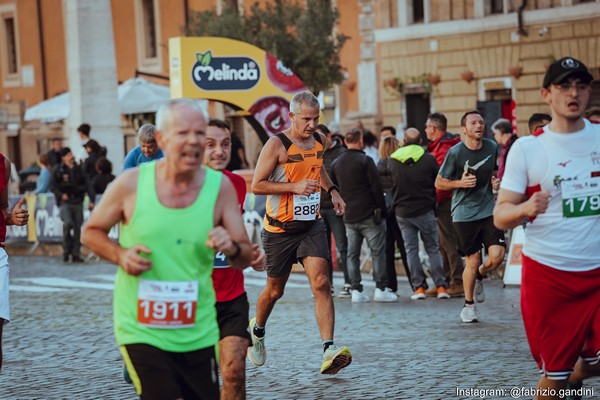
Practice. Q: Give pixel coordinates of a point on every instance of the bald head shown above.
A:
(412, 136)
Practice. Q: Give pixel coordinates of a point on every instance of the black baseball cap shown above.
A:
(565, 68)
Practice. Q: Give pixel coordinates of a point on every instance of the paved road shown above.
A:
(60, 343)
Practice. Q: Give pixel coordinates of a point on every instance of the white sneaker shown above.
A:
(359, 297)
(469, 314)
(257, 353)
(479, 293)
(385, 296)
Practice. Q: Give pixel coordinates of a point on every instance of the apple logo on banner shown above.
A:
(224, 73)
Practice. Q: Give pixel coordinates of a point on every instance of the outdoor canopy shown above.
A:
(135, 95)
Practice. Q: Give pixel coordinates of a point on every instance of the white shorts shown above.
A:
(4, 295)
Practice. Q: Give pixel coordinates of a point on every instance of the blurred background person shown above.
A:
(54, 153)
(103, 177)
(440, 141)
(538, 121)
(371, 145)
(504, 136)
(387, 146)
(238, 154)
(334, 224)
(593, 114)
(146, 151)
(94, 151)
(68, 186)
(42, 185)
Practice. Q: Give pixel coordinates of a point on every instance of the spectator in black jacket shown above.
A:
(103, 178)
(54, 153)
(387, 146)
(95, 152)
(356, 175)
(334, 223)
(68, 186)
(414, 172)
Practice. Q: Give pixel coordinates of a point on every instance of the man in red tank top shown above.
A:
(18, 216)
(232, 301)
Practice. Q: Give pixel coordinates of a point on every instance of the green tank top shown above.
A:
(171, 306)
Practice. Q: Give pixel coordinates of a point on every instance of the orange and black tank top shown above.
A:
(300, 164)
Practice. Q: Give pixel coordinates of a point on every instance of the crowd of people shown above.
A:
(179, 292)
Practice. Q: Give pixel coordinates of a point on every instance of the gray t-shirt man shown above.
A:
(471, 204)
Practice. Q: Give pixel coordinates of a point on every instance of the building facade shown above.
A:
(453, 56)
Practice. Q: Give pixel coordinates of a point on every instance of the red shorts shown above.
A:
(561, 313)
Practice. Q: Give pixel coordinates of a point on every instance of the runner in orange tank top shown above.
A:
(289, 171)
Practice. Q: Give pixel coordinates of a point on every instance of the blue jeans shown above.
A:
(375, 235)
(335, 225)
(426, 225)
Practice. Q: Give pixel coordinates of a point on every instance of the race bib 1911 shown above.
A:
(306, 207)
(167, 304)
(581, 198)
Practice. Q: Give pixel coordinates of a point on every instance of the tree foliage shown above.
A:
(299, 33)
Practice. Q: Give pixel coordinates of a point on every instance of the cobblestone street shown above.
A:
(60, 344)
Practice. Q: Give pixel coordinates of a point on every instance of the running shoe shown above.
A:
(345, 293)
(442, 293)
(335, 358)
(479, 293)
(257, 353)
(419, 294)
(469, 314)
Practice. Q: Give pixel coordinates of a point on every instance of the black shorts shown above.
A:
(472, 235)
(232, 317)
(285, 249)
(159, 374)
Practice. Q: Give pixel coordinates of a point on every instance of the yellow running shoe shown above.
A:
(257, 353)
(335, 358)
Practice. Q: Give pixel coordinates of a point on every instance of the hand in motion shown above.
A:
(495, 183)
(537, 204)
(19, 215)
(132, 261)
(306, 187)
(468, 180)
(219, 240)
(259, 258)
(338, 203)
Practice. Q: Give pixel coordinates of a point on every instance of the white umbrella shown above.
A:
(50, 110)
(136, 95)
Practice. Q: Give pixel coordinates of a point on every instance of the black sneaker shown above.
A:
(77, 259)
(66, 258)
(345, 293)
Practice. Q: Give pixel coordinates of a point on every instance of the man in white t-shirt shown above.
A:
(553, 179)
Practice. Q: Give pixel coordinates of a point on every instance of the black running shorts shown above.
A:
(159, 374)
(472, 235)
(285, 249)
(232, 317)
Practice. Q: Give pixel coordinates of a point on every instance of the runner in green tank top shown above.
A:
(175, 214)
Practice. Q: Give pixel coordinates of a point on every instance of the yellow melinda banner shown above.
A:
(237, 73)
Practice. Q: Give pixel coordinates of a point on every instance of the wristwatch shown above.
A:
(333, 187)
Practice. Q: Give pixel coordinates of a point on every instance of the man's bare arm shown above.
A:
(466, 181)
(229, 228)
(112, 209)
(512, 208)
(272, 154)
